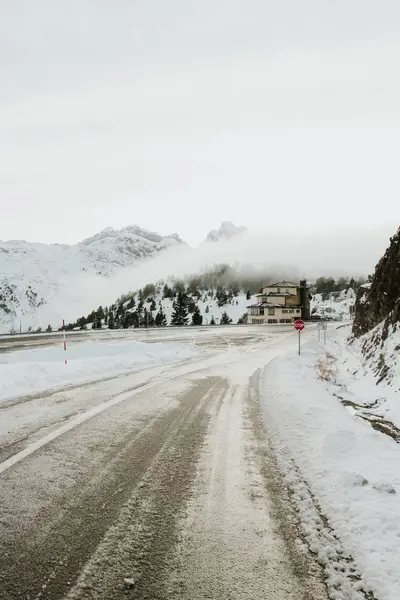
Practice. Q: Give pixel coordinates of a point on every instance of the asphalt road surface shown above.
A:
(155, 485)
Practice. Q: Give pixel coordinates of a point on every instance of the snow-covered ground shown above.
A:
(33, 371)
(336, 307)
(343, 473)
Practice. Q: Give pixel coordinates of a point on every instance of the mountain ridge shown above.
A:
(40, 282)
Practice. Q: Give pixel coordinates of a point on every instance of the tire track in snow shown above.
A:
(155, 464)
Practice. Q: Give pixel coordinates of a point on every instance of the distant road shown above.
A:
(34, 340)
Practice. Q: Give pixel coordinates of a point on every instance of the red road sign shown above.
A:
(299, 325)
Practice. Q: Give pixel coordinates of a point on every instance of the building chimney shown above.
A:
(305, 300)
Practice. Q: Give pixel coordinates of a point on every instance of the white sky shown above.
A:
(175, 115)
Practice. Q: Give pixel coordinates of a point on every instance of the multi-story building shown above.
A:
(282, 302)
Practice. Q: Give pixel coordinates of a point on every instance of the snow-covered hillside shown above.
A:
(336, 306)
(143, 310)
(36, 278)
(208, 306)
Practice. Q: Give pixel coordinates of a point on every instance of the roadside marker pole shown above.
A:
(299, 340)
(65, 341)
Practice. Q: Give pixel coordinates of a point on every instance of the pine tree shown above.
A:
(212, 322)
(180, 314)
(144, 321)
(191, 306)
(197, 318)
(207, 309)
(111, 322)
(81, 322)
(49, 329)
(248, 295)
(153, 305)
(225, 320)
(161, 319)
(131, 303)
(221, 296)
(168, 292)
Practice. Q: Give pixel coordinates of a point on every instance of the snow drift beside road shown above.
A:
(32, 371)
(344, 477)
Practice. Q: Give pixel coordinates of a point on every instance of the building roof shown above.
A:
(283, 284)
(276, 293)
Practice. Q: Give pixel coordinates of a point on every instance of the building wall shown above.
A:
(272, 299)
(290, 290)
(293, 300)
(275, 316)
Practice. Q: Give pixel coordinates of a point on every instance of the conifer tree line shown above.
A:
(222, 284)
(327, 286)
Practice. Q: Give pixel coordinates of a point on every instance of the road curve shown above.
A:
(170, 493)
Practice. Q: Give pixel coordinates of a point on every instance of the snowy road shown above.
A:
(157, 484)
(202, 334)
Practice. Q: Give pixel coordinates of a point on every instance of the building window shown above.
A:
(282, 320)
(285, 311)
(261, 311)
(272, 320)
(271, 311)
(278, 290)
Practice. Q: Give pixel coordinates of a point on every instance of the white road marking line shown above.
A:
(79, 419)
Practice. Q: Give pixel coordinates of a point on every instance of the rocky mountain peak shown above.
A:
(226, 231)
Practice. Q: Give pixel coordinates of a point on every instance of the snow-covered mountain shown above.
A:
(35, 278)
(226, 231)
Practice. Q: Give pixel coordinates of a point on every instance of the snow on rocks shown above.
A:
(343, 475)
(33, 371)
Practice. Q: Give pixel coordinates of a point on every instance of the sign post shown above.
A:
(299, 326)
(65, 341)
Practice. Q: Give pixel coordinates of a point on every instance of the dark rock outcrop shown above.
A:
(379, 299)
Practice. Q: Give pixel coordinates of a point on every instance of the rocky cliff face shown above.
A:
(379, 300)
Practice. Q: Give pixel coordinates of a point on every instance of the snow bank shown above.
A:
(368, 372)
(31, 371)
(344, 476)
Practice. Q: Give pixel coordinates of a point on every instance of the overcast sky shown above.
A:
(175, 115)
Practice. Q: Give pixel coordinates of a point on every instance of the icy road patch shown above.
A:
(34, 371)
